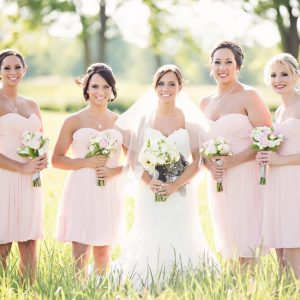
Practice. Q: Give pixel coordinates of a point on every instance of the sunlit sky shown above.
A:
(207, 20)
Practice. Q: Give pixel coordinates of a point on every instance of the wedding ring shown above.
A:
(219, 163)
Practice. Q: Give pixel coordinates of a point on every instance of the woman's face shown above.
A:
(168, 87)
(12, 70)
(282, 79)
(223, 66)
(99, 90)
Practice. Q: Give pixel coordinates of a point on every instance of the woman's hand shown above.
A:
(155, 185)
(106, 173)
(268, 158)
(224, 162)
(96, 161)
(35, 165)
(164, 188)
(169, 188)
(216, 169)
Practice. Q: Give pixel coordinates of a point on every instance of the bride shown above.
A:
(165, 236)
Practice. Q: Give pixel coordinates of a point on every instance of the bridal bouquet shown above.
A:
(163, 161)
(101, 144)
(34, 144)
(265, 139)
(216, 147)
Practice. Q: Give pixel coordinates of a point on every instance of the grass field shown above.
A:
(55, 278)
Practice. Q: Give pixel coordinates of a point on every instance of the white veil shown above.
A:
(141, 114)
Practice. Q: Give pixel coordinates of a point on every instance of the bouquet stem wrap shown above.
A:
(100, 182)
(219, 186)
(36, 179)
(262, 175)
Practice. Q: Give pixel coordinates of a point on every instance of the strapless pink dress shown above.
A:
(90, 214)
(21, 212)
(281, 195)
(237, 211)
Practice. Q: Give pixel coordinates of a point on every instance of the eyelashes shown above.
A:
(7, 68)
(283, 74)
(168, 84)
(228, 62)
(96, 86)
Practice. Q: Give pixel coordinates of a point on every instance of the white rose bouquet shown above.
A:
(216, 147)
(34, 144)
(163, 161)
(101, 144)
(265, 139)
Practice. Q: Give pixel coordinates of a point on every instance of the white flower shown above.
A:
(225, 149)
(273, 144)
(211, 149)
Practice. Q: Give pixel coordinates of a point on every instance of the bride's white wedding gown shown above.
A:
(165, 234)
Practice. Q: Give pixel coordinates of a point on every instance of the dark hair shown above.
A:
(9, 52)
(104, 71)
(234, 47)
(166, 69)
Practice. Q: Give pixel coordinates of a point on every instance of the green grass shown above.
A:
(55, 278)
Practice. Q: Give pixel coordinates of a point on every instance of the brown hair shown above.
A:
(9, 52)
(166, 69)
(234, 47)
(104, 71)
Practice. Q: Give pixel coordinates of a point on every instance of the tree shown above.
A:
(40, 13)
(162, 27)
(286, 15)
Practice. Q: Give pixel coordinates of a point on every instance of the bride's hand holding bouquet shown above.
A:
(162, 160)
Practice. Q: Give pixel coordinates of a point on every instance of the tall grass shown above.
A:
(56, 280)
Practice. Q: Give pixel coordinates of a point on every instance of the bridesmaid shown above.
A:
(281, 219)
(233, 110)
(89, 215)
(21, 213)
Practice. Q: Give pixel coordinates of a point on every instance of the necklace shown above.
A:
(220, 97)
(99, 124)
(13, 106)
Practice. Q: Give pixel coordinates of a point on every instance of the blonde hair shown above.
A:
(285, 59)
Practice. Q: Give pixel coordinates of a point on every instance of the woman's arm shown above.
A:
(29, 167)
(259, 115)
(275, 159)
(171, 187)
(59, 158)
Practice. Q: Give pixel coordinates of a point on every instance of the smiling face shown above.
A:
(99, 91)
(12, 70)
(282, 79)
(167, 87)
(223, 66)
